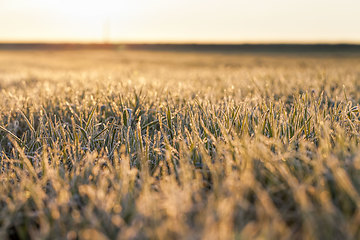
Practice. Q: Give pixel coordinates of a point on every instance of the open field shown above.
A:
(160, 145)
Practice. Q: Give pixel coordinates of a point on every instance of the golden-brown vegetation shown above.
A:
(146, 145)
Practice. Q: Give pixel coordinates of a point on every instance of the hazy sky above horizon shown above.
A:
(181, 21)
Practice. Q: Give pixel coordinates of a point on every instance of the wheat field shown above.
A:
(176, 145)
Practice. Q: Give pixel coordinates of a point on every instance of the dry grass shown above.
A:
(141, 145)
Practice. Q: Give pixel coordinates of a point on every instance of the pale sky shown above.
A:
(181, 20)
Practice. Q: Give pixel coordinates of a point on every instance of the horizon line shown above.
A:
(187, 42)
(150, 42)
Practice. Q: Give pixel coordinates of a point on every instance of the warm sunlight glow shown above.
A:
(186, 20)
(87, 10)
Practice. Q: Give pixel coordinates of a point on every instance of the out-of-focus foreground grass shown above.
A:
(141, 145)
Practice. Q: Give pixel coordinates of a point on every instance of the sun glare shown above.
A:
(91, 10)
